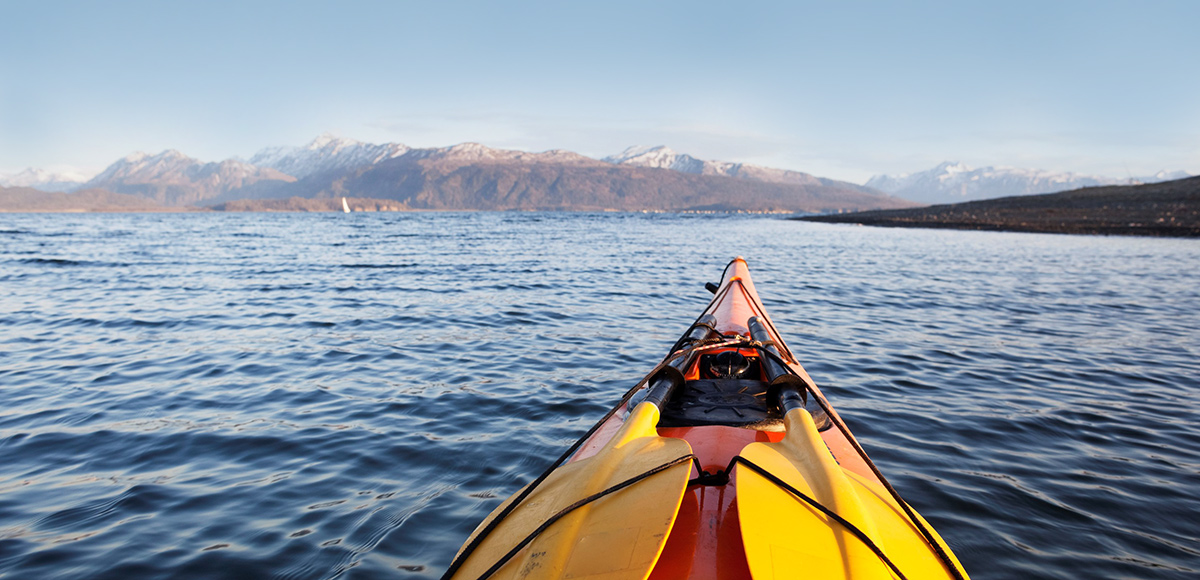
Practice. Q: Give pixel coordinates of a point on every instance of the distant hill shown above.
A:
(172, 178)
(662, 157)
(471, 176)
(474, 177)
(25, 199)
(952, 182)
(45, 180)
(1170, 208)
(326, 154)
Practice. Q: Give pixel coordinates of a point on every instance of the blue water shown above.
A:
(300, 396)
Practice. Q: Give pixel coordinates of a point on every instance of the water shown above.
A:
(319, 396)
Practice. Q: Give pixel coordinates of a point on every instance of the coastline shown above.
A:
(1167, 209)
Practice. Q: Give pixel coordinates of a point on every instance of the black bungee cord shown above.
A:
(718, 341)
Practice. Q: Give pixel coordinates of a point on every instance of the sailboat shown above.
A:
(345, 206)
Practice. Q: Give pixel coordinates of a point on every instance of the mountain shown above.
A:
(328, 154)
(467, 176)
(325, 153)
(1168, 208)
(1163, 176)
(952, 182)
(45, 180)
(471, 176)
(172, 178)
(25, 199)
(663, 157)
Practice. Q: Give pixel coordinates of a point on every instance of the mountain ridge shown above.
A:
(46, 179)
(585, 184)
(174, 179)
(329, 157)
(663, 157)
(473, 176)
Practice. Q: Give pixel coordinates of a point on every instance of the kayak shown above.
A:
(725, 462)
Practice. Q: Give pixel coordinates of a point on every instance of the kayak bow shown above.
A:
(725, 462)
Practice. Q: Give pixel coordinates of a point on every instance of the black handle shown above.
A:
(784, 384)
(789, 398)
(670, 377)
(663, 385)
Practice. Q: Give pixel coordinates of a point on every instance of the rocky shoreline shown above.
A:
(1166, 209)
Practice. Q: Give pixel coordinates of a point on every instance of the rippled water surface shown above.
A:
(301, 396)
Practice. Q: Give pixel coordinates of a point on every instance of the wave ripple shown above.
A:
(332, 396)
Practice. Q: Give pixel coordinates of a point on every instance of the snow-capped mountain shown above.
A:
(1164, 176)
(476, 153)
(326, 153)
(473, 176)
(663, 157)
(46, 180)
(173, 178)
(953, 182)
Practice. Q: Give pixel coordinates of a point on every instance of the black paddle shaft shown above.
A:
(787, 389)
(663, 385)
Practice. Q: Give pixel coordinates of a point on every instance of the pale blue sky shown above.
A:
(844, 91)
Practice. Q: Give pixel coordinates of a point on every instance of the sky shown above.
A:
(844, 90)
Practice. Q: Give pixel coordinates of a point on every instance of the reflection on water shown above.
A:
(311, 396)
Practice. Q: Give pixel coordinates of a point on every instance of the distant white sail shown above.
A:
(345, 206)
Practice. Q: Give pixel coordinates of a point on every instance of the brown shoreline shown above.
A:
(1167, 209)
